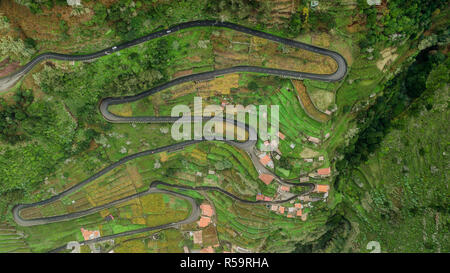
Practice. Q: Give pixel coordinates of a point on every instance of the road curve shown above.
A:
(248, 146)
(8, 81)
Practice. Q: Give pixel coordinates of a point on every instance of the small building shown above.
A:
(321, 158)
(74, 3)
(314, 4)
(298, 205)
(299, 212)
(374, 2)
(308, 160)
(109, 218)
(89, 235)
(267, 198)
(281, 136)
(265, 160)
(304, 179)
(281, 209)
(207, 210)
(292, 145)
(313, 139)
(327, 135)
(285, 188)
(324, 171)
(259, 197)
(274, 143)
(304, 198)
(204, 222)
(322, 188)
(274, 207)
(266, 178)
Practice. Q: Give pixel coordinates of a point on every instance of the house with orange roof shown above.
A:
(274, 208)
(265, 160)
(267, 198)
(207, 210)
(298, 205)
(281, 209)
(204, 222)
(266, 178)
(290, 216)
(89, 235)
(285, 188)
(280, 135)
(299, 212)
(259, 197)
(322, 188)
(324, 171)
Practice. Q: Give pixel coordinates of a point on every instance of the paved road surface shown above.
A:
(248, 146)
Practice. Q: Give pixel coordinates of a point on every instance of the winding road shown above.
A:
(248, 146)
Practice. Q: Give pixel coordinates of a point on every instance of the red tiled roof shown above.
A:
(267, 198)
(87, 234)
(266, 178)
(298, 205)
(322, 188)
(265, 160)
(259, 197)
(204, 221)
(324, 171)
(206, 209)
(299, 212)
(285, 188)
(281, 209)
(280, 135)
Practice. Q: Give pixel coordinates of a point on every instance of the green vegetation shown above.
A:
(387, 142)
(399, 22)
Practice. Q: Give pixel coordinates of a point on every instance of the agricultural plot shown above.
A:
(149, 210)
(12, 240)
(259, 229)
(310, 108)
